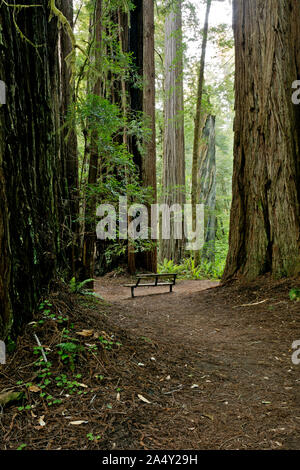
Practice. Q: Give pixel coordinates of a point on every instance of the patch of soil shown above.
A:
(206, 367)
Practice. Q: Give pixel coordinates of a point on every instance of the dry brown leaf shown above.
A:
(208, 416)
(143, 399)
(85, 333)
(34, 389)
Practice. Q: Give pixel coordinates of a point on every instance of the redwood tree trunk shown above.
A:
(173, 152)
(69, 150)
(198, 126)
(264, 231)
(149, 260)
(206, 190)
(30, 168)
(89, 239)
(141, 45)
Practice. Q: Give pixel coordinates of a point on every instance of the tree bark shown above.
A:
(30, 169)
(142, 100)
(264, 228)
(69, 149)
(89, 240)
(206, 188)
(136, 47)
(174, 151)
(149, 260)
(198, 126)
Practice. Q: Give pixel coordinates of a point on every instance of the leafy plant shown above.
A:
(70, 386)
(68, 352)
(78, 287)
(91, 437)
(21, 446)
(295, 294)
(205, 270)
(108, 343)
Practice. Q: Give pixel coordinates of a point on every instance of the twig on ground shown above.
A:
(250, 305)
(42, 350)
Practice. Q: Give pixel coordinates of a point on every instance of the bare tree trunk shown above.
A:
(149, 158)
(89, 241)
(136, 47)
(206, 190)
(174, 152)
(141, 45)
(69, 145)
(198, 126)
(264, 228)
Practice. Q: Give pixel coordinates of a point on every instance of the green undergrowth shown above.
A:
(67, 339)
(205, 270)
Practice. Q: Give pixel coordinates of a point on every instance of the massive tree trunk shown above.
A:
(173, 152)
(30, 169)
(264, 232)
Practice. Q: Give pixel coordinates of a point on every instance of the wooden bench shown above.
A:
(156, 283)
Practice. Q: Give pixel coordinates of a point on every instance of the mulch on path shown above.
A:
(206, 367)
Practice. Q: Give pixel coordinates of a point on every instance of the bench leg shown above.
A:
(132, 292)
(171, 287)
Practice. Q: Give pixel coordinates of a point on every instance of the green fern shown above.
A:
(78, 287)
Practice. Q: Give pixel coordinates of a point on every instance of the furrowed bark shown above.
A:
(264, 228)
(206, 190)
(198, 123)
(89, 241)
(174, 151)
(30, 169)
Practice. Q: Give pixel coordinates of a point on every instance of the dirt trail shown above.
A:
(227, 353)
(206, 367)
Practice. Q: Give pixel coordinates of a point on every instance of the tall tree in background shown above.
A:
(206, 187)
(198, 124)
(149, 258)
(89, 240)
(264, 232)
(31, 171)
(173, 148)
(69, 151)
(142, 101)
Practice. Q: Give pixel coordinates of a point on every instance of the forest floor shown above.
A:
(205, 367)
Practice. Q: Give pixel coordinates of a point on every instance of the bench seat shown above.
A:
(150, 285)
(156, 283)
